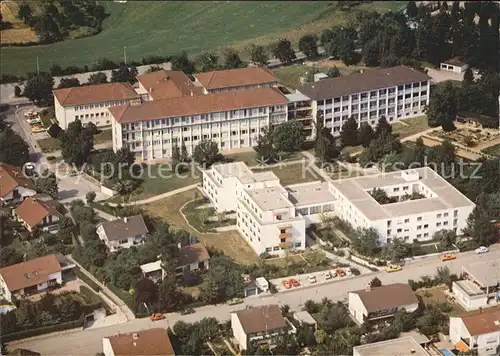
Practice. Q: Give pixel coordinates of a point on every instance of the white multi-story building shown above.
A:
(233, 120)
(440, 205)
(90, 103)
(221, 81)
(395, 93)
(270, 217)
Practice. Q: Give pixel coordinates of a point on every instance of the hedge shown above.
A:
(87, 280)
(124, 296)
(44, 330)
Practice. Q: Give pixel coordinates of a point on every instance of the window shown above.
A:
(276, 248)
(445, 223)
(405, 187)
(282, 231)
(426, 234)
(396, 189)
(419, 227)
(278, 217)
(419, 236)
(438, 224)
(269, 249)
(426, 226)
(419, 218)
(400, 230)
(298, 244)
(438, 216)
(407, 221)
(445, 215)
(388, 232)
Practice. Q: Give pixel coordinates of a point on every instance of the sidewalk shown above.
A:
(120, 305)
(158, 197)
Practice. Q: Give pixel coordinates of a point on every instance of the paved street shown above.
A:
(89, 342)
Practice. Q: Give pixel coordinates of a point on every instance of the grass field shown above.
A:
(292, 174)
(248, 157)
(493, 150)
(413, 126)
(51, 144)
(164, 28)
(230, 242)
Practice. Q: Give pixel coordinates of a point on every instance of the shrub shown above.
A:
(40, 331)
(339, 253)
(51, 158)
(17, 91)
(54, 130)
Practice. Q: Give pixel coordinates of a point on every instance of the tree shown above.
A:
(181, 62)
(54, 130)
(480, 225)
(47, 184)
(124, 188)
(90, 197)
(265, 151)
(365, 134)
(289, 136)
(379, 148)
(65, 230)
(232, 59)
(333, 72)
(17, 91)
(98, 78)
(176, 158)
(411, 9)
(383, 127)
(76, 144)
(208, 61)
(38, 88)
(349, 133)
(168, 294)
(47, 29)
(325, 147)
(68, 83)
(124, 74)
(380, 195)
(320, 336)
(24, 13)
(446, 238)
(308, 45)
(146, 292)
(13, 149)
(442, 109)
(283, 51)
(184, 153)
(258, 54)
(366, 241)
(9, 256)
(206, 153)
(375, 282)
(468, 77)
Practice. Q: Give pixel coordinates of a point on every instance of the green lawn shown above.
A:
(493, 150)
(414, 126)
(103, 136)
(292, 174)
(152, 182)
(249, 157)
(148, 28)
(51, 144)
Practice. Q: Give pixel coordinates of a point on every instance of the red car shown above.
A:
(294, 282)
(287, 284)
(157, 316)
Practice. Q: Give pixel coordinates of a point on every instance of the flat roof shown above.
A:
(304, 317)
(151, 267)
(395, 347)
(417, 336)
(356, 190)
(470, 288)
(270, 198)
(297, 96)
(310, 193)
(486, 273)
(241, 171)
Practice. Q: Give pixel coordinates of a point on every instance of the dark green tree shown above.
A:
(308, 45)
(207, 153)
(47, 184)
(181, 62)
(325, 147)
(333, 72)
(366, 241)
(98, 78)
(232, 59)
(375, 282)
(13, 149)
(468, 77)
(76, 144)
(208, 61)
(383, 127)
(258, 54)
(349, 133)
(124, 74)
(9, 256)
(283, 50)
(47, 29)
(289, 136)
(24, 13)
(365, 134)
(265, 151)
(442, 109)
(411, 9)
(38, 88)
(68, 83)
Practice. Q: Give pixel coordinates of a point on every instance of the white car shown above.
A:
(327, 275)
(482, 249)
(311, 279)
(348, 271)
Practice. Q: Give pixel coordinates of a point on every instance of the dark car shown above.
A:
(187, 311)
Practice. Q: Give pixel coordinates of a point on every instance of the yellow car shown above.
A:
(393, 268)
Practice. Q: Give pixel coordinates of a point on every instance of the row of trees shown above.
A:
(283, 139)
(55, 22)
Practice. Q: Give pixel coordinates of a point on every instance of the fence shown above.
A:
(362, 262)
(43, 330)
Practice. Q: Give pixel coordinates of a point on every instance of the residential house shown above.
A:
(145, 342)
(455, 65)
(32, 276)
(38, 213)
(372, 304)
(90, 103)
(123, 233)
(259, 325)
(166, 84)
(194, 257)
(305, 319)
(14, 185)
(477, 330)
(481, 284)
(394, 347)
(395, 92)
(221, 81)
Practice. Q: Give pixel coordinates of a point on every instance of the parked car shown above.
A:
(393, 268)
(287, 284)
(188, 311)
(235, 301)
(333, 273)
(482, 249)
(327, 275)
(448, 257)
(294, 282)
(157, 316)
(340, 272)
(348, 271)
(311, 279)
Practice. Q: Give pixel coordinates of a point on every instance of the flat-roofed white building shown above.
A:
(395, 92)
(443, 206)
(90, 103)
(480, 286)
(270, 217)
(395, 347)
(232, 120)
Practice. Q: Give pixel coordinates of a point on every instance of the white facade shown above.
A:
(96, 113)
(486, 344)
(393, 102)
(107, 349)
(469, 296)
(443, 207)
(458, 68)
(238, 332)
(115, 245)
(52, 279)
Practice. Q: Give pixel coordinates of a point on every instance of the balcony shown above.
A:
(286, 245)
(286, 235)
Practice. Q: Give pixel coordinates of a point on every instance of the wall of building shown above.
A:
(238, 333)
(488, 344)
(469, 302)
(107, 350)
(356, 307)
(457, 330)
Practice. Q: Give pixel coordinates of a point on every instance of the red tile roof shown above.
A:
(387, 297)
(88, 94)
(152, 342)
(168, 84)
(30, 273)
(32, 210)
(235, 77)
(259, 319)
(12, 177)
(482, 321)
(191, 105)
(193, 254)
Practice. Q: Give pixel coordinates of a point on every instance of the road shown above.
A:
(89, 342)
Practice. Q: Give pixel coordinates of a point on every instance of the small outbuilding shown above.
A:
(455, 65)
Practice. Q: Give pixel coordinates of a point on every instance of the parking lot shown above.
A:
(309, 279)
